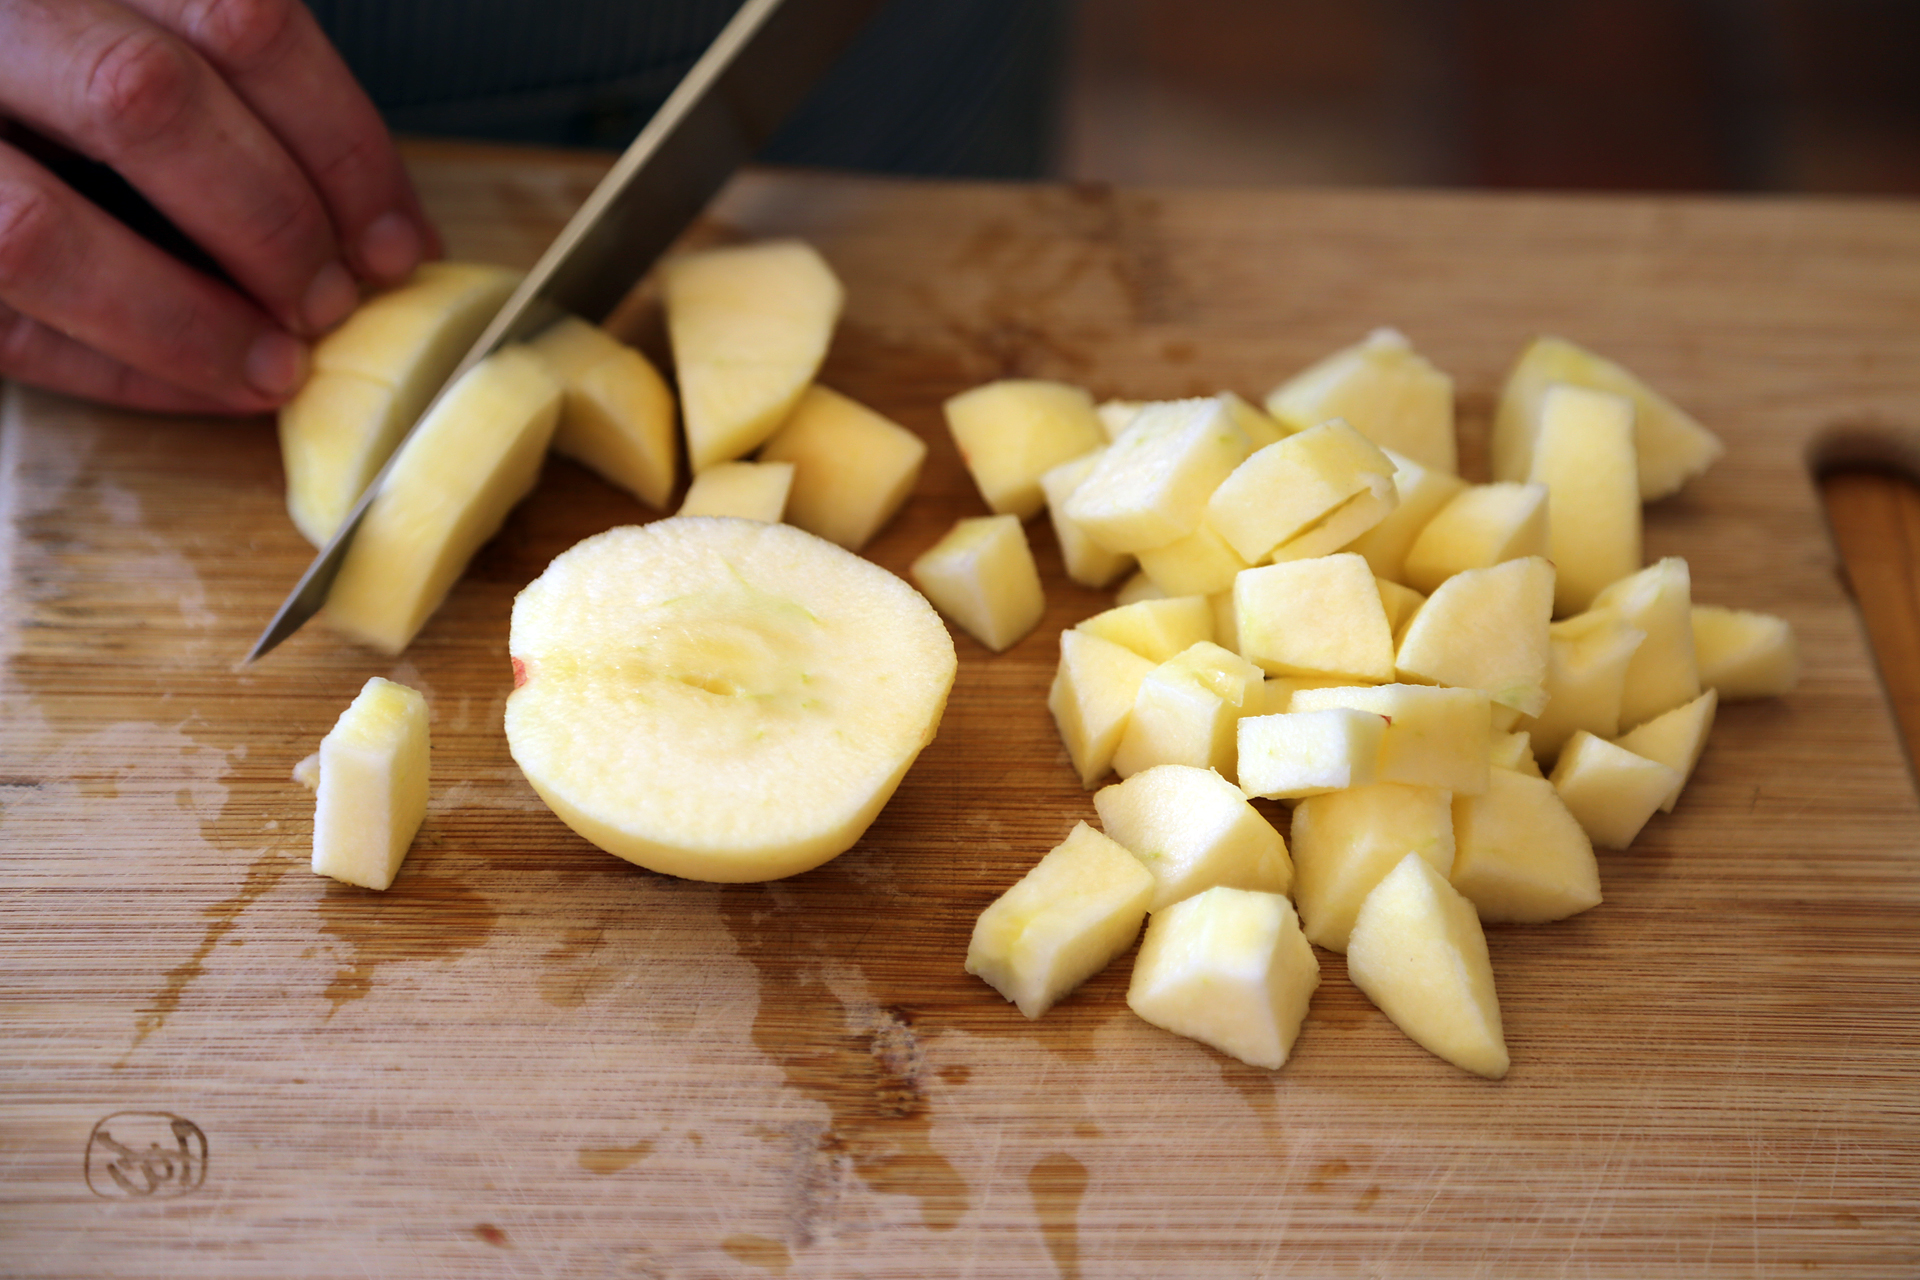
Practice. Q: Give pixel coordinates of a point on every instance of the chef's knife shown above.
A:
(756, 71)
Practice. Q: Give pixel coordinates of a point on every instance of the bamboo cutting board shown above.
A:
(529, 1058)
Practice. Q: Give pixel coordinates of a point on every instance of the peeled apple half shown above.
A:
(722, 699)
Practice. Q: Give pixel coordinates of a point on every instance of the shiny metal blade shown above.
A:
(754, 74)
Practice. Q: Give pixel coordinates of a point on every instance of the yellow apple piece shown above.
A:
(1156, 628)
(749, 490)
(853, 469)
(1012, 432)
(1419, 953)
(721, 699)
(617, 412)
(1086, 561)
(982, 575)
(1482, 525)
(1587, 657)
(1304, 753)
(1583, 453)
(1663, 672)
(1320, 617)
(1486, 629)
(1093, 691)
(1610, 790)
(1136, 588)
(1201, 563)
(1513, 749)
(1193, 830)
(372, 791)
(1434, 737)
(1344, 842)
(750, 325)
(1669, 446)
(1261, 427)
(1150, 486)
(1281, 491)
(1186, 710)
(1064, 921)
(1519, 855)
(1385, 390)
(1742, 654)
(1676, 739)
(1229, 968)
(449, 490)
(371, 380)
(1340, 527)
(1401, 603)
(1420, 493)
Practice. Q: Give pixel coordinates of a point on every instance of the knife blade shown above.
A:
(756, 71)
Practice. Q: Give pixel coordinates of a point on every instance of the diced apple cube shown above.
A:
(1610, 790)
(1319, 617)
(1012, 432)
(1262, 428)
(1092, 694)
(616, 411)
(1086, 561)
(1150, 486)
(1485, 629)
(1663, 673)
(1519, 855)
(372, 791)
(1137, 588)
(1669, 446)
(1156, 629)
(1305, 753)
(1229, 968)
(1401, 603)
(1434, 737)
(1280, 491)
(1186, 710)
(1420, 955)
(982, 575)
(1583, 453)
(1742, 654)
(1064, 921)
(853, 469)
(1676, 739)
(1587, 657)
(1388, 391)
(1201, 563)
(1345, 841)
(1421, 492)
(1193, 830)
(1513, 750)
(1339, 527)
(748, 490)
(1226, 623)
(1482, 525)
(1117, 415)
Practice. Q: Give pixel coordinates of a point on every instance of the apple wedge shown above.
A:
(720, 699)
(749, 326)
(617, 417)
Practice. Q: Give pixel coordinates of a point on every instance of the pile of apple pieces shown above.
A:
(749, 327)
(1365, 637)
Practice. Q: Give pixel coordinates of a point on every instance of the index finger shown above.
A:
(279, 62)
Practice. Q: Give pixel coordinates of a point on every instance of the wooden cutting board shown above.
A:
(529, 1058)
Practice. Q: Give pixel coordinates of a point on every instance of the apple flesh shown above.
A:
(372, 788)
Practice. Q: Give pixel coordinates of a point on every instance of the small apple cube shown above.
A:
(1320, 617)
(1117, 415)
(1587, 657)
(1401, 603)
(1064, 921)
(1345, 841)
(1201, 563)
(1420, 493)
(1509, 749)
(1663, 672)
(1420, 955)
(1226, 624)
(1610, 790)
(1676, 739)
(1137, 588)
(1483, 525)
(747, 490)
(1304, 753)
(616, 411)
(372, 792)
(1086, 561)
(1193, 830)
(1156, 628)
(1583, 453)
(1742, 654)
(1519, 855)
(1229, 968)
(1093, 691)
(982, 575)
(1339, 527)
(1150, 486)
(1186, 710)
(1385, 389)
(1277, 693)
(853, 469)
(1669, 446)
(1012, 432)
(1434, 736)
(1486, 629)
(1262, 428)
(1282, 490)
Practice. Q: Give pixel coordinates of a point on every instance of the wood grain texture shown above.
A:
(529, 1058)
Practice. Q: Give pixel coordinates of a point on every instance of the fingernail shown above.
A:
(276, 364)
(390, 246)
(330, 297)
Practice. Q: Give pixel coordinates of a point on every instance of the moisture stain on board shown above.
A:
(422, 917)
(605, 1160)
(570, 975)
(759, 1251)
(1057, 1184)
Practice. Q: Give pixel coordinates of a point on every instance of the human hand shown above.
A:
(238, 122)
